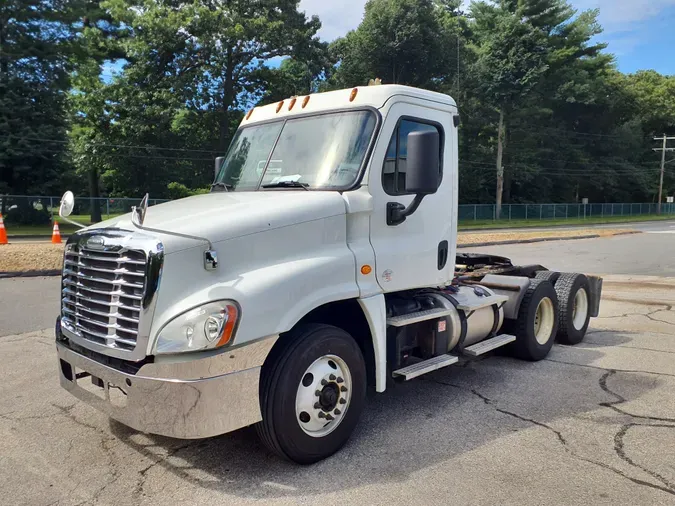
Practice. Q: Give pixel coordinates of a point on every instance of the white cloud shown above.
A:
(337, 16)
(623, 15)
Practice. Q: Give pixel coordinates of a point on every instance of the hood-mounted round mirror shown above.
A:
(67, 204)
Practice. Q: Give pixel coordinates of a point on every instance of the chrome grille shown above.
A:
(102, 294)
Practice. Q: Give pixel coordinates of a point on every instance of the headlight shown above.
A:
(201, 328)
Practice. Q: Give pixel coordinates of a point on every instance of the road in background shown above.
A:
(644, 254)
(28, 304)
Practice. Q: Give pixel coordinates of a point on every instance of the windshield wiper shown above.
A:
(287, 184)
(220, 184)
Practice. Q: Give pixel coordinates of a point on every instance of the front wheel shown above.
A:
(312, 393)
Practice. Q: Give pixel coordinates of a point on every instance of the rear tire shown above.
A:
(574, 295)
(537, 323)
(551, 276)
(312, 392)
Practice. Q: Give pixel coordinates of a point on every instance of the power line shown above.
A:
(583, 171)
(96, 144)
(123, 155)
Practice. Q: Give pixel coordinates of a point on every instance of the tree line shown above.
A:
(122, 97)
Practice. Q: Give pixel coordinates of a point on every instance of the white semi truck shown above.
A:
(322, 263)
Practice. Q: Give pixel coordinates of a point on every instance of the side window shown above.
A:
(393, 172)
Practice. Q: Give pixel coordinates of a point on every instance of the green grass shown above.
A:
(491, 224)
(46, 230)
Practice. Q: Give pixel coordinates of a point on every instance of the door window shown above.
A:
(393, 172)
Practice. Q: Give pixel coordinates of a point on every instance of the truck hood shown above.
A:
(220, 216)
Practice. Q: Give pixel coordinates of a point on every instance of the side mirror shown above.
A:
(138, 213)
(218, 165)
(422, 174)
(423, 162)
(67, 204)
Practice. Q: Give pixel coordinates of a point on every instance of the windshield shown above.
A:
(324, 152)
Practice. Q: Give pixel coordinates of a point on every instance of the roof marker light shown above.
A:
(352, 95)
(280, 105)
(305, 101)
(248, 116)
(293, 100)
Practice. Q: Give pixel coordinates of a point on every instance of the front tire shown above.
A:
(312, 393)
(537, 322)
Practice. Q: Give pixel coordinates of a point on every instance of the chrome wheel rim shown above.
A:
(544, 320)
(323, 396)
(580, 312)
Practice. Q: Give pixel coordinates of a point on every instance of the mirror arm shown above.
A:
(72, 222)
(210, 255)
(397, 213)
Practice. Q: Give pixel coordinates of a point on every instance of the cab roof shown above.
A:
(350, 98)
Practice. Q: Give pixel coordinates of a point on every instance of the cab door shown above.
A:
(420, 251)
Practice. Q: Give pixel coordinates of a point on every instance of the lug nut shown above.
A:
(340, 380)
(332, 377)
(329, 418)
(337, 412)
(324, 382)
(322, 415)
(317, 405)
(343, 401)
(343, 388)
(317, 393)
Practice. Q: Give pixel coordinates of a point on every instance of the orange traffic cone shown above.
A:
(3, 232)
(56, 234)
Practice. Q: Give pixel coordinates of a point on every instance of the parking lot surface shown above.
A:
(591, 424)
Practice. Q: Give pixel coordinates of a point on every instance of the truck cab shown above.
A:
(322, 263)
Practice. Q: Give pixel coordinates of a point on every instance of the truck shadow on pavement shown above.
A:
(412, 426)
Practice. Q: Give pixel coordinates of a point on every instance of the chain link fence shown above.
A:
(37, 209)
(532, 212)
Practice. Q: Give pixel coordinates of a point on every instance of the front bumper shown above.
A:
(187, 400)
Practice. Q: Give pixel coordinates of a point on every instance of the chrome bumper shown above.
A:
(187, 400)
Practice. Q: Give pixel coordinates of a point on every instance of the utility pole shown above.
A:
(663, 150)
(458, 83)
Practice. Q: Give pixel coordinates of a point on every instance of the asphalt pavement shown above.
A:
(591, 424)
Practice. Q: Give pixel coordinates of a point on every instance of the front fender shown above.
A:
(276, 277)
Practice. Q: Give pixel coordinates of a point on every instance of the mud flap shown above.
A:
(595, 285)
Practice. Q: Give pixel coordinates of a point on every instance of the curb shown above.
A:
(563, 225)
(541, 239)
(30, 274)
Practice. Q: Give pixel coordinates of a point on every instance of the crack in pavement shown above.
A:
(620, 451)
(603, 345)
(561, 439)
(143, 473)
(620, 400)
(106, 443)
(665, 374)
(646, 315)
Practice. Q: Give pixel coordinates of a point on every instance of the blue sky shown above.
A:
(641, 33)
